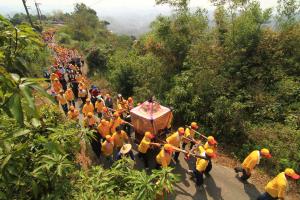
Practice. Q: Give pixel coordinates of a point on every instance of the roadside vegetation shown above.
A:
(236, 74)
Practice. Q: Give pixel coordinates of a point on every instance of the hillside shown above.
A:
(237, 77)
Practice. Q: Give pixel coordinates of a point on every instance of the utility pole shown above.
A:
(38, 11)
(26, 9)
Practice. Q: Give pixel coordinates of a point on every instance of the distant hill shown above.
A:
(132, 22)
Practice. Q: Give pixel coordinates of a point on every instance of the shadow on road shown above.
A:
(212, 189)
(249, 188)
(178, 169)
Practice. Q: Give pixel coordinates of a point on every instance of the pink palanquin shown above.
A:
(150, 116)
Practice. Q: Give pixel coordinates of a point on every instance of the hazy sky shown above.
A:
(131, 17)
(12, 6)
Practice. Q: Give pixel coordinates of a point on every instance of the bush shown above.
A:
(97, 61)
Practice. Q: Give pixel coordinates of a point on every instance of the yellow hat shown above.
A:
(181, 130)
(72, 108)
(116, 114)
(90, 114)
(88, 99)
(168, 147)
(108, 138)
(210, 153)
(103, 121)
(194, 125)
(211, 140)
(149, 135)
(266, 153)
(291, 173)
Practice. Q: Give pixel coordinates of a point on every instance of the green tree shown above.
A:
(82, 23)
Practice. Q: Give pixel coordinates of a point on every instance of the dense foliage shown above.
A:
(39, 148)
(237, 76)
(38, 161)
(19, 46)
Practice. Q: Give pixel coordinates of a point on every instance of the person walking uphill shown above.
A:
(189, 133)
(210, 144)
(119, 138)
(276, 188)
(61, 98)
(175, 140)
(251, 161)
(104, 128)
(88, 107)
(107, 148)
(164, 157)
(73, 113)
(144, 147)
(70, 97)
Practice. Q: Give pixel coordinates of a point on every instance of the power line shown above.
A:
(96, 2)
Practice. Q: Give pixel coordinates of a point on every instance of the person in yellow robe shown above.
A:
(164, 157)
(107, 148)
(144, 147)
(70, 97)
(56, 85)
(115, 122)
(119, 138)
(189, 133)
(175, 140)
(277, 187)
(104, 128)
(251, 161)
(201, 165)
(73, 113)
(88, 107)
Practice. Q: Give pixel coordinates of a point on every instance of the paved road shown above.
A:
(221, 185)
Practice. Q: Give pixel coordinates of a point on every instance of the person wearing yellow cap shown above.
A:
(70, 97)
(54, 76)
(201, 165)
(189, 133)
(130, 103)
(251, 161)
(104, 128)
(175, 140)
(164, 157)
(61, 98)
(57, 86)
(115, 122)
(88, 107)
(210, 144)
(119, 137)
(277, 187)
(107, 148)
(144, 147)
(73, 113)
(90, 120)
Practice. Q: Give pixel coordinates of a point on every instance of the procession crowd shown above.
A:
(112, 138)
